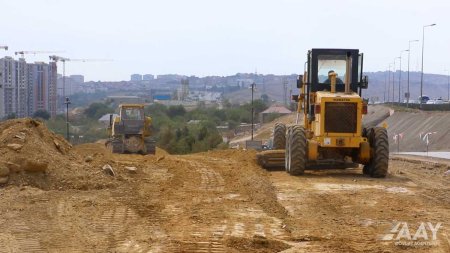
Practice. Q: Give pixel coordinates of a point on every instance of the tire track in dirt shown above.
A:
(227, 211)
(344, 211)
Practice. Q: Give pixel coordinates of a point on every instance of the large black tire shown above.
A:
(379, 142)
(150, 146)
(115, 146)
(279, 136)
(287, 149)
(297, 151)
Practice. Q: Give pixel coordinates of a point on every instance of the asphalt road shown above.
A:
(443, 155)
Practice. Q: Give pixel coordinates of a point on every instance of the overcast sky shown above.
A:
(222, 37)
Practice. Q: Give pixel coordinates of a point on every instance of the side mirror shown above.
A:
(364, 83)
(300, 81)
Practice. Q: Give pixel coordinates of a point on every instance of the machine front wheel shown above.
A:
(279, 136)
(379, 142)
(297, 151)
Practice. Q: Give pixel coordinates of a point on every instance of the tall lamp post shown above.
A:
(448, 85)
(400, 77)
(253, 89)
(67, 102)
(389, 82)
(385, 84)
(393, 80)
(409, 54)
(421, 76)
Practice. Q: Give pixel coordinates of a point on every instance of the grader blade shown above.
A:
(271, 158)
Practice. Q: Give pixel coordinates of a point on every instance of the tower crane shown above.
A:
(23, 53)
(56, 58)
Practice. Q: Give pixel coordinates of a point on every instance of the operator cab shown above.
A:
(347, 64)
(132, 113)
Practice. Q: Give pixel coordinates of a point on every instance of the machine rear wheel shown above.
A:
(297, 151)
(115, 146)
(279, 136)
(379, 164)
(150, 146)
(287, 148)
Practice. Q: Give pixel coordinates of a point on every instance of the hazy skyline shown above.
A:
(200, 37)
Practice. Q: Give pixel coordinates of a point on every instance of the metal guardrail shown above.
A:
(425, 107)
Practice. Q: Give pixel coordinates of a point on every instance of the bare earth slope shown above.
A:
(412, 124)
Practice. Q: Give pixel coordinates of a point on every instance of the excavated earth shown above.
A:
(217, 201)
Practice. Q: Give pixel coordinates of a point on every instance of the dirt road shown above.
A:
(222, 201)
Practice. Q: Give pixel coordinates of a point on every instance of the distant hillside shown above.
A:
(434, 86)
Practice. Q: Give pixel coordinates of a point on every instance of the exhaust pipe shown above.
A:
(348, 73)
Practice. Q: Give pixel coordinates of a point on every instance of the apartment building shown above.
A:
(8, 85)
(21, 88)
(27, 87)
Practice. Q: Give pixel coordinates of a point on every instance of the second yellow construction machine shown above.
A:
(332, 134)
(130, 132)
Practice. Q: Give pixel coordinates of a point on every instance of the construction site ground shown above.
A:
(218, 201)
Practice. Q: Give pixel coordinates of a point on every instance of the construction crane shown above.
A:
(23, 53)
(56, 58)
(4, 47)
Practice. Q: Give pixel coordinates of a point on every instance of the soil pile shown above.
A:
(30, 154)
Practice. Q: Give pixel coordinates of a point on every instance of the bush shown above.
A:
(42, 114)
(96, 110)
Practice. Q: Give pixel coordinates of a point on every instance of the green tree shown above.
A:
(43, 114)
(11, 116)
(176, 110)
(265, 99)
(96, 110)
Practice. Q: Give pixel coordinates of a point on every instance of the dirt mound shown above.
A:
(33, 155)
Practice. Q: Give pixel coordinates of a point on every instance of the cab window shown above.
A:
(327, 63)
(132, 114)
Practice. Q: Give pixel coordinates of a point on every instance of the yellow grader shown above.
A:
(130, 132)
(331, 135)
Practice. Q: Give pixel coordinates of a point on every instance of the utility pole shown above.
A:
(409, 54)
(285, 82)
(67, 102)
(253, 88)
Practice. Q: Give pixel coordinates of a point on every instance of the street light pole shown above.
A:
(421, 76)
(389, 83)
(448, 85)
(400, 77)
(67, 102)
(393, 81)
(385, 84)
(409, 54)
